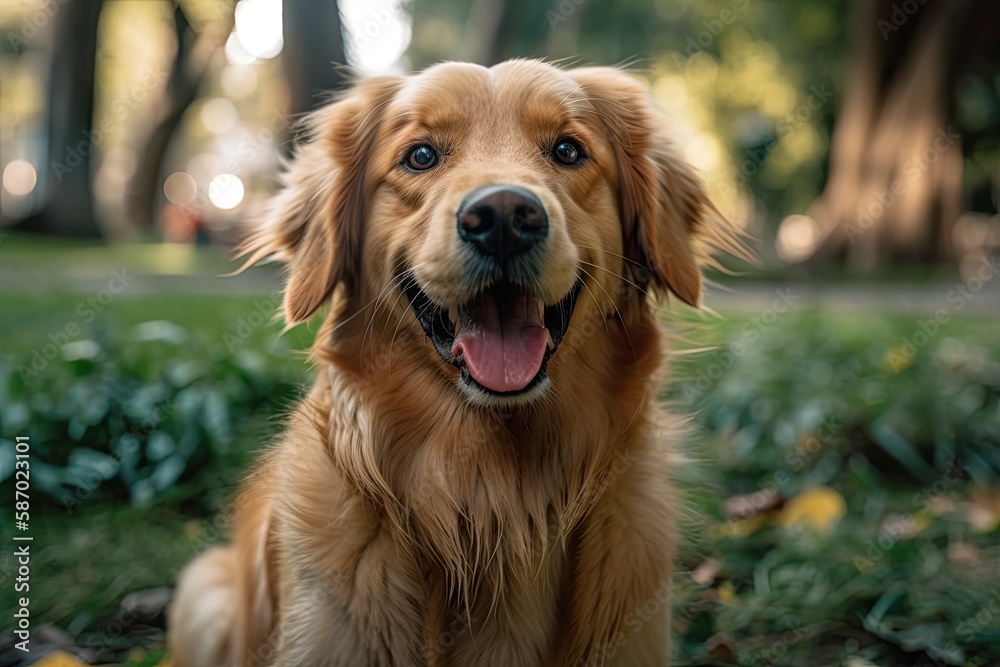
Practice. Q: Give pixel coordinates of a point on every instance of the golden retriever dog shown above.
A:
(481, 474)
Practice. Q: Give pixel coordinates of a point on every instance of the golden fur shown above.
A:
(400, 521)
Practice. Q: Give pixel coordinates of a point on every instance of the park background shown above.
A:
(843, 466)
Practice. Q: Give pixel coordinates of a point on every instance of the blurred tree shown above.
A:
(67, 201)
(187, 73)
(895, 188)
(312, 59)
(313, 49)
(737, 73)
(489, 28)
(483, 31)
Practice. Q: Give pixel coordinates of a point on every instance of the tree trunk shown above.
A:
(67, 202)
(194, 54)
(486, 30)
(312, 59)
(501, 29)
(894, 190)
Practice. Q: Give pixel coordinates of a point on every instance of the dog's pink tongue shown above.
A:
(503, 344)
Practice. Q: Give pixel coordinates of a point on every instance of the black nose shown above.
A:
(502, 221)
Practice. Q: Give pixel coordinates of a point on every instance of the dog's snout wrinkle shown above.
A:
(502, 221)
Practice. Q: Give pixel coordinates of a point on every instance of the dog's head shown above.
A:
(496, 208)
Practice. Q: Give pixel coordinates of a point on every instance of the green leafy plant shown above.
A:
(133, 416)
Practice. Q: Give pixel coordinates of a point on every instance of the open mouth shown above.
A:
(502, 339)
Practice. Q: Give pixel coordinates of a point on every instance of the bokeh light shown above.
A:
(218, 115)
(180, 188)
(19, 177)
(258, 27)
(226, 191)
(238, 81)
(797, 238)
(378, 33)
(236, 54)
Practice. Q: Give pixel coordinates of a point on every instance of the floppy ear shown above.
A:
(316, 222)
(663, 208)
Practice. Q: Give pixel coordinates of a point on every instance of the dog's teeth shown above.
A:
(453, 314)
(549, 343)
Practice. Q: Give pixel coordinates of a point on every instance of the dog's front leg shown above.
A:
(368, 609)
(620, 609)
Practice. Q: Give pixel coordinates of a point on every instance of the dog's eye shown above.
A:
(421, 158)
(567, 151)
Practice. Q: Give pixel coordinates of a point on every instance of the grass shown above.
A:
(864, 553)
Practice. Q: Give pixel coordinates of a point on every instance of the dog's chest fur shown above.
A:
(479, 553)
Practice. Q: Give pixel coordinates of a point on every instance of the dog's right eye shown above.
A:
(421, 158)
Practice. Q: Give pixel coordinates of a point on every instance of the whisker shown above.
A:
(616, 275)
(614, 254)
(600, 307)
(402, 316)
(388, 285)
(387, 290)
(620, 318)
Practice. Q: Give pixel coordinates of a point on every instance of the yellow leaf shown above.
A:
(166, 662)
(739, 527)
(897, 359)
(817, 508)
(59, 659)
(922, 521)
(726, 593)
(193, 530)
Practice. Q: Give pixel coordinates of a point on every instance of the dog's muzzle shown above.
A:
(502, 338)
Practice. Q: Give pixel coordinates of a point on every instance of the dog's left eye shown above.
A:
(421, 158)
(568, 152)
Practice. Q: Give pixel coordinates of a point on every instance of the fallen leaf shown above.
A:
(896, 360)
(941, 505)
(983, 510)
(59, 659)
(706, 573)
(739, 527)
(748, 505)
(726, 593)
(963, 553)
(906, 526)
(818, 508)
(720, 647)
